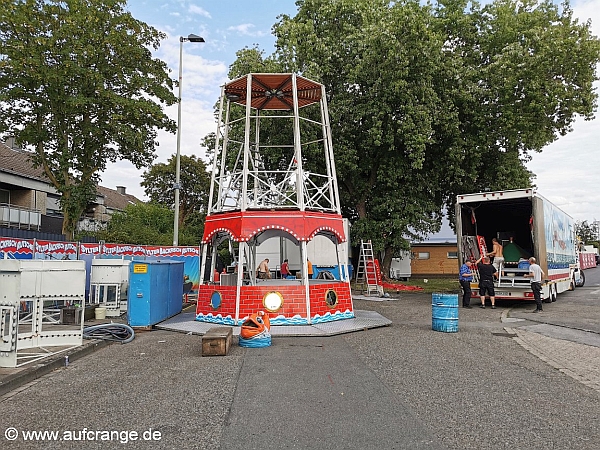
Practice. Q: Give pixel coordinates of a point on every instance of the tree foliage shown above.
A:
(427, 101)
(79, 86)
(431, 100)
(141, 224)
(147, 224)
(588, 233)
(195, 184)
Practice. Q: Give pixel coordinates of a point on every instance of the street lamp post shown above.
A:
(177, 185)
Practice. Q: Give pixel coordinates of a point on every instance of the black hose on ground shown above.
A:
(118, 332)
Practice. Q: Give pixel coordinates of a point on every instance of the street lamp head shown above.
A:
(195, 38)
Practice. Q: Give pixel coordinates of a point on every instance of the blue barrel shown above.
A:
(444, 312)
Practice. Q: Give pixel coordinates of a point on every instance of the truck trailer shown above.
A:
(526, 224)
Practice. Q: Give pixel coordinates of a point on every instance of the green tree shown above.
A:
(428, 101)
(148, 224)
(588, 233)
(140, 224)
(195, 185)
(79, 86)
(522, 72)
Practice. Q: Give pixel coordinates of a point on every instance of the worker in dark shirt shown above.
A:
(487, 272)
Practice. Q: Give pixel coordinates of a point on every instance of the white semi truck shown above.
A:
(526, 224)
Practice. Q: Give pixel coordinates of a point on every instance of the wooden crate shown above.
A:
(216, 341)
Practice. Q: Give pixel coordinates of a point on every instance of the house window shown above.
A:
(423, 255)
(452, 255)
(4, 196)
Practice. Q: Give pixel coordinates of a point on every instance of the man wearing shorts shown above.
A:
(497, 253)
(486, 280)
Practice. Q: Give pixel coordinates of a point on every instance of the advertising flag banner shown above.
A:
(119, 250)
(55, 250)
(16, 248)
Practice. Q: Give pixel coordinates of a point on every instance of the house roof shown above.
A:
(17, 162)
(115, 200)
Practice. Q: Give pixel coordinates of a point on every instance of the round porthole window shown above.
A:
(216, 300)
(272, 301)
(331, 298)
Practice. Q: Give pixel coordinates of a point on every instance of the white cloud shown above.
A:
(246, 29)
(199, 10)
(201, 86)
(588, 9)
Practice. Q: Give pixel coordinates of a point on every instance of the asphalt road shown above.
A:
(403, 386)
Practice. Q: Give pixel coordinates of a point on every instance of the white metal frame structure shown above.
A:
(240, 179)
(32, 292)
(273, 174)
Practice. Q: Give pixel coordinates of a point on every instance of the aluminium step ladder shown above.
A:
(366, 273)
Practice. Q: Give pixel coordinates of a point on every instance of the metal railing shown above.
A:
(12, 216)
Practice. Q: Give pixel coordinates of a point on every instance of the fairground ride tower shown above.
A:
(273, 195)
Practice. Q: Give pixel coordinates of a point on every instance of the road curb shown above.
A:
(30, 374)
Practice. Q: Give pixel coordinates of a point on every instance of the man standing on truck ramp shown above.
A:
(486, 280)
(536, 273)
(497, 254)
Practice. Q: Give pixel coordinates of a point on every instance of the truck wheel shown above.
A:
(553, 294)
(581, 279)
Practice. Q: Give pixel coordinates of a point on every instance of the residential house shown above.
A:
(29, 202)
(437, 254)
(107, 202)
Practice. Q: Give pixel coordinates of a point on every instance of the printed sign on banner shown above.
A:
(89, 249)
(55, 250)
(123, 250)
(16, 248)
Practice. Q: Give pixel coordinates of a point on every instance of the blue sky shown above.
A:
(567, 170)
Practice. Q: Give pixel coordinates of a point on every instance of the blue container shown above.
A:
(335, 271)
(155, 291)
(444, 312)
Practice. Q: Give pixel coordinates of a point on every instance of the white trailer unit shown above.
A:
(400, 268)
(526, 224)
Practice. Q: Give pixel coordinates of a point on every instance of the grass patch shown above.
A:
(433, 285)
(442, 285)
(449, 285)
